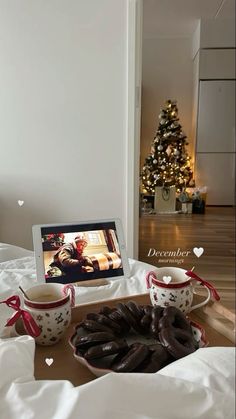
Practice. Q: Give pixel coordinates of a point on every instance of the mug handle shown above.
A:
(210, 289)
(149, 277)
(68, 288)
(203, 303)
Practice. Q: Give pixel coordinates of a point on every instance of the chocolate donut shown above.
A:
(178, 342)
(94, 326)
(135, 356)
(92, 316)
(158, 359)
(154, 329)
(157, 313)
(83, 342)
(111, 324)
(118, 318)
(173, 317)
(148, 309)
(156, 316)
(103, 319)
(129, 317)
(135, 310)
(106, 310)
(145, 322)
(105, 349)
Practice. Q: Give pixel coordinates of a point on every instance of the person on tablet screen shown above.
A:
(70, 259)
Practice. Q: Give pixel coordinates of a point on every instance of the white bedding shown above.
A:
(198, 386)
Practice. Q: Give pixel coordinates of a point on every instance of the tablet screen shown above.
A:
(81, 252)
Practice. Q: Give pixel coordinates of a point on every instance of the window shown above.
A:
(94, 238)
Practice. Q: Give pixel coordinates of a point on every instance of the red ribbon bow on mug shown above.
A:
(30, 325)
(213, 291)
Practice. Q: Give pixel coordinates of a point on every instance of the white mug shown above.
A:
(170, 286)
(50, 306)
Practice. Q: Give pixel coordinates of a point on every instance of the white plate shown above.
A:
(100, 366)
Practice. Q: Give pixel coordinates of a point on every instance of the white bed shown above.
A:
(201, 385)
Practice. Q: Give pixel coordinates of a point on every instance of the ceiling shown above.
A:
(179, 18)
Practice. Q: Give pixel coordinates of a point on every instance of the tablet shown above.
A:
(81, 251)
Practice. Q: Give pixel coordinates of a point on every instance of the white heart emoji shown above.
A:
(49, 361)
(20, 203)
(167, 279)
(198, 251)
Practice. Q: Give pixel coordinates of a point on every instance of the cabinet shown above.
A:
(217, 64)
(215, 145)
(216, 116)
(214, 113)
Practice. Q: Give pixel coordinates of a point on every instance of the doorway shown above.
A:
(169, 72)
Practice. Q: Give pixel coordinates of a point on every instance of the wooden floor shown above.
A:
(214, 231)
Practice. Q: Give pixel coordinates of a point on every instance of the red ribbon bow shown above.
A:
(30, 325)
(212, 289)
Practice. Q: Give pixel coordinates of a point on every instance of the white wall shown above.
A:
(167, 74)
(62, 113)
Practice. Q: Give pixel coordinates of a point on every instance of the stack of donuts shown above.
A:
(105, 335)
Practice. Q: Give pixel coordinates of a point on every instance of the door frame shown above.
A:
(133, 122)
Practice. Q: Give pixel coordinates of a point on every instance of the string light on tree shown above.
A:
(168, 154)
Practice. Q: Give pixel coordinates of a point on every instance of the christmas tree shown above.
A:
(168, 162)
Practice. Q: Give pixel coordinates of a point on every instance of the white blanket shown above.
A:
(198, 386)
